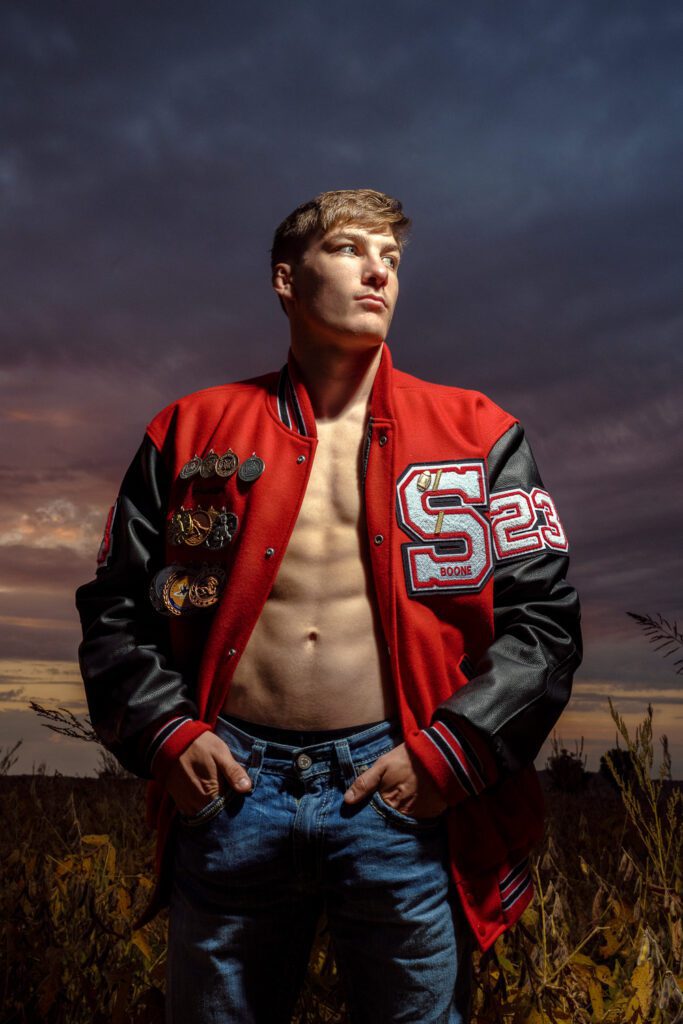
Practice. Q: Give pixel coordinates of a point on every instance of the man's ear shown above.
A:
(283, 281)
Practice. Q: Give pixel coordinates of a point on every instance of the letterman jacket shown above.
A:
(468, 557)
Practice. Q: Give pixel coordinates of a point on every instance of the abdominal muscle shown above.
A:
(316, 658)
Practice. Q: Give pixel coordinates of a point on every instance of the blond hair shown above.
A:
(361, 205)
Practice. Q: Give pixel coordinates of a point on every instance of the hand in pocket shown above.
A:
(201, 772)
(402, 784)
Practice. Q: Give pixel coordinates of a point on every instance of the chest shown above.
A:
(333, 494)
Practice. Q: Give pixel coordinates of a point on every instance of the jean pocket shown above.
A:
(390, 813)
(206, 814)
(386, 811)
(219, 803)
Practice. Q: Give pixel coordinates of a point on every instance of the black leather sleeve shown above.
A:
(130, 683)
(521, 685)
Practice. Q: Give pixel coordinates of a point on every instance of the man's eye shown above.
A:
(394, 261)
(347, 245)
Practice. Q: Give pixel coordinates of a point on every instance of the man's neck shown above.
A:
(337, 381)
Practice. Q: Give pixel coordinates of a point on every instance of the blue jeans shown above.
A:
(251, 875)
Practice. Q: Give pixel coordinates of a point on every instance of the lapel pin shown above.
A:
(251, 468)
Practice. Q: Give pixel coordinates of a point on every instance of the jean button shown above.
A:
(303, 761)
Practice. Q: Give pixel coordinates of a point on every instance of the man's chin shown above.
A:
(347, 337)
(369, 333)
(360, 342)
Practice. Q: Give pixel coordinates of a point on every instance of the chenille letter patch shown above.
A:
(455, 544)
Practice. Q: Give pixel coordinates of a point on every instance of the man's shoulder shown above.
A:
(462, 403)
(205, 404)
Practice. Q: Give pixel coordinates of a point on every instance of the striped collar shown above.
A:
(294, 405)
(291, 398)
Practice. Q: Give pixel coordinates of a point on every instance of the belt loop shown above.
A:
(256, 759)
(345, 761)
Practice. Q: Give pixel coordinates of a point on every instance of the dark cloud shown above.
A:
(44, 570)
(10, 695)
(532, 146)
(39, 640)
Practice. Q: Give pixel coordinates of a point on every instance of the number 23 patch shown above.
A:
(442, 506)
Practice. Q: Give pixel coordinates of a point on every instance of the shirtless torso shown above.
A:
(316, 658)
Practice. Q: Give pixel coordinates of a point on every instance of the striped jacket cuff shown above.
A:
(168, 741)
(456, 757)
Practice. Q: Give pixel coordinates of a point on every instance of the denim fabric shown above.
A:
(251, 875)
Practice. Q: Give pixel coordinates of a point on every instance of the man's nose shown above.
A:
(376, 269)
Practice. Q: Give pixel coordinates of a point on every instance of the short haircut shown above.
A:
(363, 206)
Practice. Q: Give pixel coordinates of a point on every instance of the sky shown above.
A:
(147, 153)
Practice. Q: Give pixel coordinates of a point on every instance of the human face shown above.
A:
(344, 286)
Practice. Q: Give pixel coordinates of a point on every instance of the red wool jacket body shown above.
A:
(468, 558)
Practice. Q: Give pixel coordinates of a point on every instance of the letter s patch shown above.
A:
(442, 505)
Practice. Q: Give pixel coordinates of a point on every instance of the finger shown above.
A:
(364, 784)
(233, 772)
(392, 796)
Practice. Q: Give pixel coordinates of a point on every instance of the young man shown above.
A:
(331, 624)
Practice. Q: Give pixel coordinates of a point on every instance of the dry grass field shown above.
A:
(601, 942)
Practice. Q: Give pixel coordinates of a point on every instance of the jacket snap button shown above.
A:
(383, 440)
(378, 538)
(303, 761)
(301, 458)
(232, 652)
(270, 552)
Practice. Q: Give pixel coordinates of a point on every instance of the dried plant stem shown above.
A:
(567, 960)
(643, 802)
